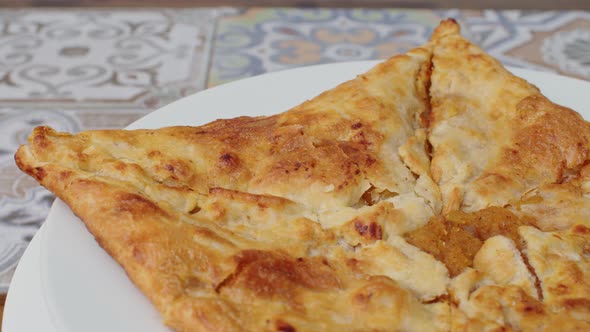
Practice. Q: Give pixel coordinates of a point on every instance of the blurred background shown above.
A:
(88, 64)
(491, 4)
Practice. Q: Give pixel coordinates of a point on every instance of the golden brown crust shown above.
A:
(268, 212)
(556, 206)
(338, 216)
(492, 298)
(498, 142)
(561, 261)
(494, 136)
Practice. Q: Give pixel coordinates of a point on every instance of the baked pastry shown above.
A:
(494, 136)
(414, 197)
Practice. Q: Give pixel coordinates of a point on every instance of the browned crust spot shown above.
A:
(282, 326)
(271, 274)
(576, 304)
(372, 231)
(136, 204)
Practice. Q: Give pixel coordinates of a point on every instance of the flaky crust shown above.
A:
(494, 136)
(268, 223)
(302, 221)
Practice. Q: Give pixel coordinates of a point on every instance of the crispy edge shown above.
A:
(121, 221)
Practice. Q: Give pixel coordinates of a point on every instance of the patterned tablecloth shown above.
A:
(87, 69)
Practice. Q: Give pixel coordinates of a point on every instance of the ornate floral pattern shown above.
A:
(262, 40)
(101, 69)
(570, 51)
(73, 57)
(530, 39)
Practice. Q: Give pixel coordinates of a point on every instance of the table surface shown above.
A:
(79, 69)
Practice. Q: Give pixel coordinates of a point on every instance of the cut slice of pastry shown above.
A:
(280, 223)
(494, 136)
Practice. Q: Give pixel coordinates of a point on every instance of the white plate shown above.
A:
(85, 290)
